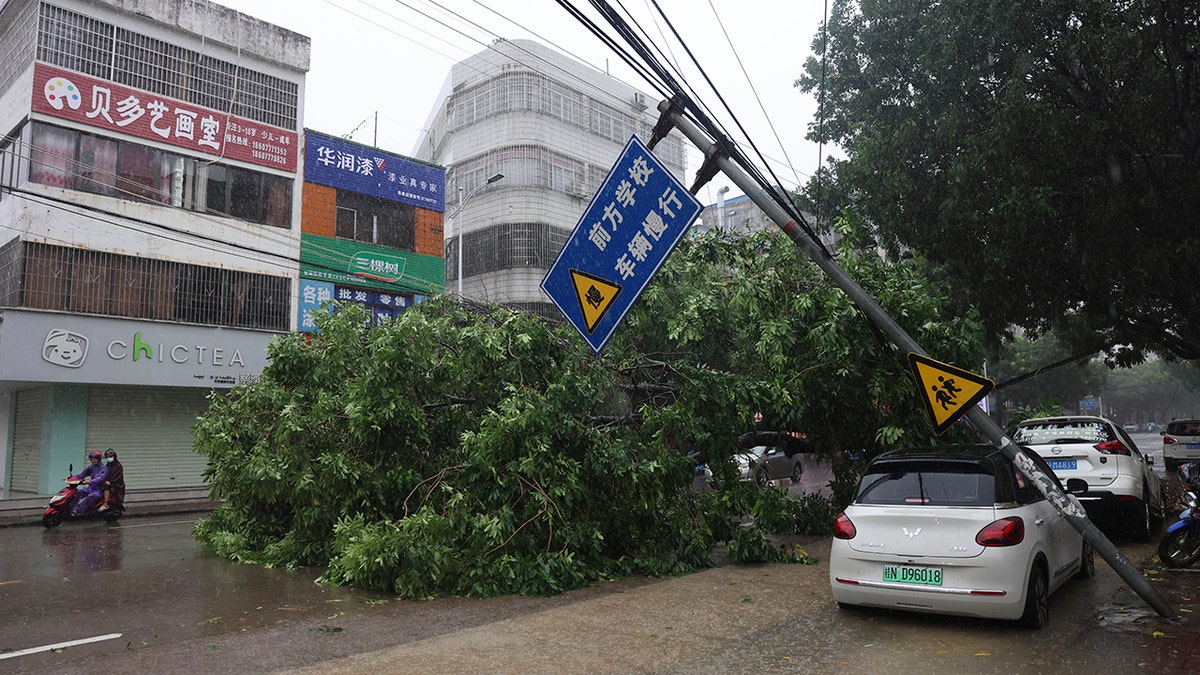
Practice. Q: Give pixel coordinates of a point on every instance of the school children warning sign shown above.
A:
(947, 392)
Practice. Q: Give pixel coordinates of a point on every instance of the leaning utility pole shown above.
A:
(715, 159)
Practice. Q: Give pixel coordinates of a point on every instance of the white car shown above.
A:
(764, 463)
(954, 530)
(1122, 485)
(1181, 443)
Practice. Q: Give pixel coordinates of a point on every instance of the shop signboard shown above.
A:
(76, 348)
(79, 98)
(344, 165)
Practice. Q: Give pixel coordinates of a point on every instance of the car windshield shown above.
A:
(927, 485)
(1046, 433)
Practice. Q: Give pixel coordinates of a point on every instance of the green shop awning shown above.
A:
(341, 261)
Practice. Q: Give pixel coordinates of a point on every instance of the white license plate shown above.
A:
(1062, 464)
(912, 574)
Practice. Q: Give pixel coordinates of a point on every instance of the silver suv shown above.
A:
(1181, 443)
(1122, 485)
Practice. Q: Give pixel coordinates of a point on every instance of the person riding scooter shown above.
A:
(95, 473)
(114, 484)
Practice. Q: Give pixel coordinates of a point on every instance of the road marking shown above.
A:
(173, 522)
(14, 581)
(59, 645)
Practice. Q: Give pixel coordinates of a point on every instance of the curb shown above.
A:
(23, 515)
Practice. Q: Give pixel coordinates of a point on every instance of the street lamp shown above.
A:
(461, 203)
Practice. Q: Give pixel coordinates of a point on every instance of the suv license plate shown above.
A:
(1062, 464)
(909, 574)
(1193, 446)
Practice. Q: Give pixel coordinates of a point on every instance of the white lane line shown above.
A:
(173, 522)
(60, 645)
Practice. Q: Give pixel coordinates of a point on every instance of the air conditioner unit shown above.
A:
(576, 188)
(639, 102)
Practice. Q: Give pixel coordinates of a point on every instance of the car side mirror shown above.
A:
(1149, 460)
(1076, 486)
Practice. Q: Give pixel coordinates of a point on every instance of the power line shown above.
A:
(691, 105)
(753, 89)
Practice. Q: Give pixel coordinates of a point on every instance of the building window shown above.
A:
(144, 173)
(347, 224)
(97, 168)
(506, 246)
(245, 194)
(94, 282)
(374, 220)
(117, 168)
(53, 156)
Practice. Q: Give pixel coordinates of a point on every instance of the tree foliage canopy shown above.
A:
(1043, 155)
(1032, 366)
(453, 452)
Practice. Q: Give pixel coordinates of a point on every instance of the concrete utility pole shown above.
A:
(983, 425)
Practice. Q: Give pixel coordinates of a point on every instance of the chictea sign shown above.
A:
(47, 347)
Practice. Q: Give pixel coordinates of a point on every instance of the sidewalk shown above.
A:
(29, 510)
(1175, 644)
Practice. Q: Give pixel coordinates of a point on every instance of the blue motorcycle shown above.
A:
(1180, 545)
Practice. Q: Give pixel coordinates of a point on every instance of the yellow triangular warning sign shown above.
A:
(595, 295)
(948, 392)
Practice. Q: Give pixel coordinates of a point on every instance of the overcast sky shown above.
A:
(391, 58)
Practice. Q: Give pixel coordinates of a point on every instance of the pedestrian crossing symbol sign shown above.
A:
(947, 392)
(595, 296)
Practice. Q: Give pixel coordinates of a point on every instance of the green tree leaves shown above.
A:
(1042, 156)
(463, 453)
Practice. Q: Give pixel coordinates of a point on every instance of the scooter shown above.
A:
(59, 508)
(1180, 545)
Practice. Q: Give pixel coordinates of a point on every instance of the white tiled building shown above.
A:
(553, 127)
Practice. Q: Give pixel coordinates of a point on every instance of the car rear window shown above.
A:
(1184, 428)
(927, 485)
(1062, 433)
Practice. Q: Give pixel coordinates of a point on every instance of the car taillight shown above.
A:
(1112, 448)
(843, 528)
(1167, 440)
(1004, 532)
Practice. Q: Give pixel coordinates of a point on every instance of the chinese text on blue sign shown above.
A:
(349, 166)
(637, 217)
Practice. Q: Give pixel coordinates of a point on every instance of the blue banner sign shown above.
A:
(313, 294)
(637, 217)
(359, 168)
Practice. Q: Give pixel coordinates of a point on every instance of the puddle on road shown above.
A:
(1129, 618)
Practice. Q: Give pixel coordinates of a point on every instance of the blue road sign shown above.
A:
(637, 217)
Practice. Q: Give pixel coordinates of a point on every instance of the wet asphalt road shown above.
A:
(179, 608)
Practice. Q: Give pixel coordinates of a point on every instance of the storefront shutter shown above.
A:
(151, 430)
(27, 442)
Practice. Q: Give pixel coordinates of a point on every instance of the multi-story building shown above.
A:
(740, 215)
(149, 226)
(372, 228)
(553, 128)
